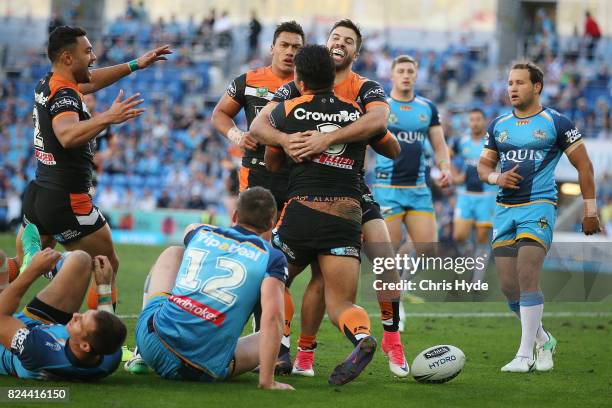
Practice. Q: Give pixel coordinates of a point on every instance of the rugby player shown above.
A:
(200, 297)
(528, 143)
(49, 339)
(58, 201)
(251, 91)
(475, 199)
(321, 220)
(344, 43)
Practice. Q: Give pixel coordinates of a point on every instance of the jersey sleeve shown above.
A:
(35, 348)
(278, 117)
(277, 266)
(189, 236)
(435, 114)
(65, 100)
(372, 93)
(236, 88)
(568, 136)
(490, 137)
(286, 92)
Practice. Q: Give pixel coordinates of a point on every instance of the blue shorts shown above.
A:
(475, 208)
(397, 201)
(531, 220)
(159, 357)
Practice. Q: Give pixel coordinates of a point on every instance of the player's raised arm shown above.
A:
(272, 320)
(72, 132)
(103, 77)
(580, 160)
(387, 146)
(10, 297)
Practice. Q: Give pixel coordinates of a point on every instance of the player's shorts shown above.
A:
(159, 357)
(397, 202)
(534, 220)
(303, 233)
(370, 209)
(66, 216)
(277, 183)
(475, 208)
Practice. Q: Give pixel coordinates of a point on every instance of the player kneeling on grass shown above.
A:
(49, 339)
(202, 296)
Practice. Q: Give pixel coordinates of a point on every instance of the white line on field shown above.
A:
(469, 314)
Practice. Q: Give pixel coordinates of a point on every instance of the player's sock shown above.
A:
(289, 310)
(12, 267)
(92, 296)
(306, 342)
(389, 315)
(541, 336)
(482, 252)
(531, 308)
(355, 324)
(464, 247)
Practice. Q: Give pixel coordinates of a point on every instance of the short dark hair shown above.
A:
(404, 58)
(477, 110)
(61, 38)
(109, 334)
(289, 27)
(256, 207)
(348, 24)
(536, 75)
(315, 67)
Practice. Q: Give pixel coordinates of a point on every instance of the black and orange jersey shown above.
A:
(365, 92)
(252, 91)
(335, 172)
(59, 168)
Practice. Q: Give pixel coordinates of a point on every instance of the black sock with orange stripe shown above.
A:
(389, 315)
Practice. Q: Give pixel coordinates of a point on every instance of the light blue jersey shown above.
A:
(535, 144)
(468, 151)
(409, 122)
(217, 287)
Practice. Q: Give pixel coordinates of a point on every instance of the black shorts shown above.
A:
(370, 209)
(66, 216)
(302, 233)
(277, 183)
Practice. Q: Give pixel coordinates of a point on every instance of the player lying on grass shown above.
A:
(202, 295)
(49, 339)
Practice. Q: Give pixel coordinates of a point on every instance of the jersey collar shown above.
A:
(243, 230)
(527, 117)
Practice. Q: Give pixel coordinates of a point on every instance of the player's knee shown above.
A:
(81, 261)
(459, 236)
(482, 236)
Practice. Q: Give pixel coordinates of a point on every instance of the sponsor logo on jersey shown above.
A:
(63, 102)
(17, 343)
(539, 134)
(522, 122)
(53, 346)
(342, 116)
(261, 91)
(410, 136)
(340, 162)
(392, 118)
(520, 155)
(239, 248)
(45, 158)
(377, 92)
(437, 352)
(572, 135)
(40, 98)
(502, 136)
(423, 117)
(198, 309)
(405, 107)
(231, 89)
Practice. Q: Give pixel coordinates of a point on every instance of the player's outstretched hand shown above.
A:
(307, 144)
(152, 56)
(510, 178)
(275, 385)
(43, 261)
(103, 271)
(591, 225)
(248, 142)
(120, 111)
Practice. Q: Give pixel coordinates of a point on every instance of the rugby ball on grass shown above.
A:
(438, 364)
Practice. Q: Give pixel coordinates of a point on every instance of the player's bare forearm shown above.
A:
(486, 165)
(372, 123)
(103, 77)
(271, 329)
(71, 132)
(263, 131)
(11, 296)
(224, 113)
(586, 176)
(441, 152)
(274, 158)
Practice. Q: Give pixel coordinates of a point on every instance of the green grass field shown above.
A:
(582, 365)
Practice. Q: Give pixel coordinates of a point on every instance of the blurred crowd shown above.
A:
(172, 157)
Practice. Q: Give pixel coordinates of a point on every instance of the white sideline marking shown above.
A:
(467, 314)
